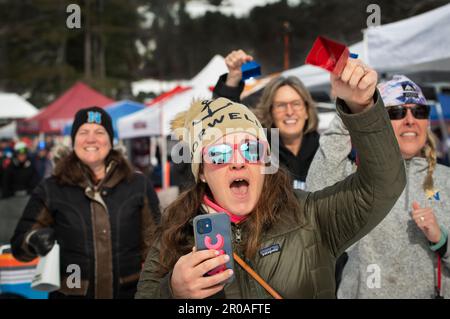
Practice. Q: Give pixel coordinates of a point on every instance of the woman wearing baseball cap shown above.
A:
(406, 255)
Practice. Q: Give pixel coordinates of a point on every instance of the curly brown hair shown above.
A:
(175, 231)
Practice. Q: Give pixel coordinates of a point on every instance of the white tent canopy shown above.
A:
(208, 76)
(420, 43)
(12, 106)
(155, 120)
(9, 131)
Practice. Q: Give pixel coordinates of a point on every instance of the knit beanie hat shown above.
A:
(401, 90)
(95, 115)
(208, 120)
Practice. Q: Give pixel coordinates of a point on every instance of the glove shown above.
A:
(42, 241)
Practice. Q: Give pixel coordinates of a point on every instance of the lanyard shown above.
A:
(257, 277)
(439, 278)
(438, 286)
(234, 218)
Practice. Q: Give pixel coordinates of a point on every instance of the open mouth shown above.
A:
(239, 187)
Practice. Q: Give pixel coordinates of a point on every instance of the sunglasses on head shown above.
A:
(398, 112)
(253, 151)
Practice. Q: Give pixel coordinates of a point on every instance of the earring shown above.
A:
(204, 180)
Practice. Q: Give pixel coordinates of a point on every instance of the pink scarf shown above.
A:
(234, 218)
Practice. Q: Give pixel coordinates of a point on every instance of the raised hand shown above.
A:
(356, 85)
(234, 60)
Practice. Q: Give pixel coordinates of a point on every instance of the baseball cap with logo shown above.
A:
(401, 90)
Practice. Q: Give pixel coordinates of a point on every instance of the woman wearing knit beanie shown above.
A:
(100, 212)
(285, 242)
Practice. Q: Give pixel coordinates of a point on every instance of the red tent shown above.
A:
(53, 118)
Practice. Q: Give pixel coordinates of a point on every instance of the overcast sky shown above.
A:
(237, 8)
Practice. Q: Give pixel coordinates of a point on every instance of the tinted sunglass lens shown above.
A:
(252, 151)
(220, 154)
(421, 112)
(396, 112)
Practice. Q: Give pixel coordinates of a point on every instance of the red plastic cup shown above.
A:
(329, 55)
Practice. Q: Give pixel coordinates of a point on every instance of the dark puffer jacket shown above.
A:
(304, 244)
(19, 177)
(105, 230)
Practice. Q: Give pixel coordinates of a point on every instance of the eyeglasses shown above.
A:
(253, 151)
(282, 106)
(398, 112)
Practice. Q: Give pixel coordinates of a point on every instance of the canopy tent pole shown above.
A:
(165, 181)
(164, 162)
(127, 143)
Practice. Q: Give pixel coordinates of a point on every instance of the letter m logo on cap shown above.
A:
(94, 117)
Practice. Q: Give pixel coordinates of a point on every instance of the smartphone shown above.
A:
(213, 231)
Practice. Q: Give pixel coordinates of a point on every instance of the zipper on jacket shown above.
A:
(237, 234)
(407, 168)
(249, 288)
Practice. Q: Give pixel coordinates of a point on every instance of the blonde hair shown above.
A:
(264, 108)
(429, 152)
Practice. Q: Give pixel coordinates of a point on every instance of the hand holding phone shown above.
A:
(188, 279)
(213, 231)
(204, 271)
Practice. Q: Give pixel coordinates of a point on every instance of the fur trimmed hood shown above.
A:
(71, 171)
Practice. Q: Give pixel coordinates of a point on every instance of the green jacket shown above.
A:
(330, 220)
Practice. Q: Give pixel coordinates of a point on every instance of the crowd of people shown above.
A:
(359, 211)
(22, 167)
